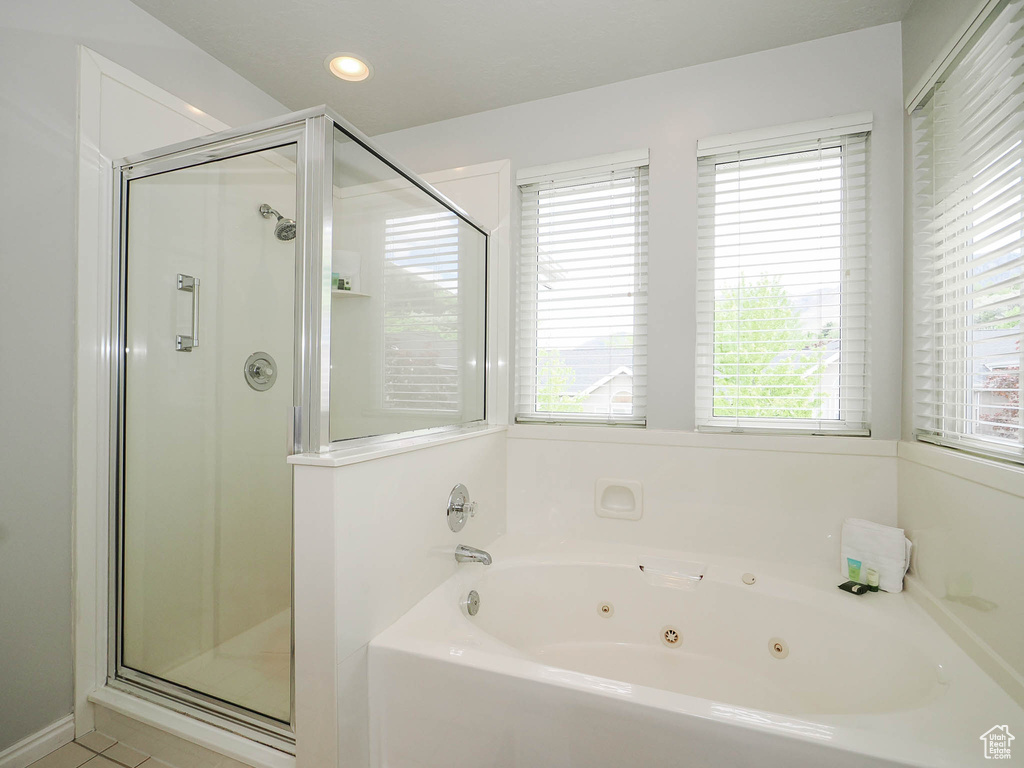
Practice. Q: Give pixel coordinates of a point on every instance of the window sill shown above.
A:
(995, 474)
(782, 431)
(845, 446)
(368, 449)
(598, 422)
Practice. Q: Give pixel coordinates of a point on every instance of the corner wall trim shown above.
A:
(39, 744)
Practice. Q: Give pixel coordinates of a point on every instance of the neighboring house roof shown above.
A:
(605, 379)
(593, 360)
(999, 343)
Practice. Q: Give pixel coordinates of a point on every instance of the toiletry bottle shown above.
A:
(872, 577)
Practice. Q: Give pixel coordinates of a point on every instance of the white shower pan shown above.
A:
(579, 658)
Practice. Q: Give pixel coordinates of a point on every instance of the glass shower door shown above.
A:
(206, 509)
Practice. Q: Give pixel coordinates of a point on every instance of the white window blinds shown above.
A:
(969, 232)
(582, 298)
(781, 286)
(422, 316)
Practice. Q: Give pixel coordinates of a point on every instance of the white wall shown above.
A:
(778, 499)
(371, 540)
(926, 27)
(667, 113)
(38, 50)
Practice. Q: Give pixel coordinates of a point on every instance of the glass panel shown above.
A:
(407, 323)
(207, 490)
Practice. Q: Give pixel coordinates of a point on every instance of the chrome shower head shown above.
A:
(285, 229)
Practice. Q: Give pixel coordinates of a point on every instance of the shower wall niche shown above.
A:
(237, 345)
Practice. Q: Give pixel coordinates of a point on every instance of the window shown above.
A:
(421, 313)
(969, 232)
(582, 299)
(782, 279)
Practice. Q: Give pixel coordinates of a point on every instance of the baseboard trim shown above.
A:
(994, 665)
(39, 744)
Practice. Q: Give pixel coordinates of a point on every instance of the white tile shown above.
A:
(334, 552)
(966, 550)
(96, 741)
(69, 756)
(125, 755)
(789, 506)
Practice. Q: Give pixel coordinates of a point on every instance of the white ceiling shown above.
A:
(436, 59)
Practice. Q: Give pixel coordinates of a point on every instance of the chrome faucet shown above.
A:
(464, 554)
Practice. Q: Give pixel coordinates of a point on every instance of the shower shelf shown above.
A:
(339, 292)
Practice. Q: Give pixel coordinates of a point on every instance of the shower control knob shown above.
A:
(260, 371)
(460, 508)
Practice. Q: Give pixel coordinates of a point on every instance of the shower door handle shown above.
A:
(190, 284)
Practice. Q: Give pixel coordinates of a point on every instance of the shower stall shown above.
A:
(278, 289)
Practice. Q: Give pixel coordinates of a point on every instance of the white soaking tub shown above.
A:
(578, 657)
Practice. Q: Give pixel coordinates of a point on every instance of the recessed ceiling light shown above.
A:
(348, 66)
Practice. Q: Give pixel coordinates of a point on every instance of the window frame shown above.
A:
(779, 141)
(944, 413)
(567, 174)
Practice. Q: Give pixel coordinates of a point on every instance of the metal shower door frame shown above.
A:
(315, 170)
(306, 133)
(313, 133)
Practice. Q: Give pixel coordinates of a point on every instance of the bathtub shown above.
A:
(580, 657)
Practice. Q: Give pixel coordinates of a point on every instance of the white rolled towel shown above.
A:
(882, 547)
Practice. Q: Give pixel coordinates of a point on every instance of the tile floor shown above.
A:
(97, 751)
